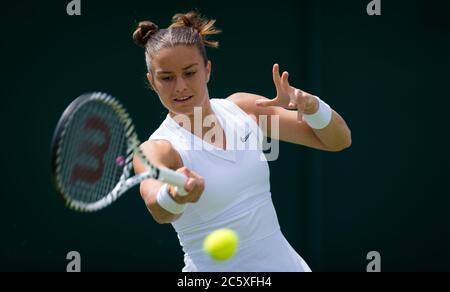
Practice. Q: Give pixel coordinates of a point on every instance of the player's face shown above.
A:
(179, 76)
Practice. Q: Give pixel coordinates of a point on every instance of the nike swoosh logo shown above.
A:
(244, 139)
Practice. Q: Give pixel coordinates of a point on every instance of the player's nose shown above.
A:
(180, 85)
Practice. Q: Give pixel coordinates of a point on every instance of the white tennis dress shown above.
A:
(236, 196)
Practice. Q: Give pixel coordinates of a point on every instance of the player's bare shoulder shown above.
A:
(247, 102)
(241, 99)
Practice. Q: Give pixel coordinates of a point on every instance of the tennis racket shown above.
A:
(92, 152)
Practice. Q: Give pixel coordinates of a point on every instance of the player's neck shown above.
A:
(200, 122)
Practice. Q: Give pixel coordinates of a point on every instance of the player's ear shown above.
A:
(151, 81)
(208, 71)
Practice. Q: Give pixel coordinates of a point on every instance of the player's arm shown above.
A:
(290, 130)
(336, 136)
(162, 154)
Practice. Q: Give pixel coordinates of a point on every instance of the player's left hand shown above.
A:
(290, 97)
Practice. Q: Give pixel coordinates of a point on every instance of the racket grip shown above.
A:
(173, 178)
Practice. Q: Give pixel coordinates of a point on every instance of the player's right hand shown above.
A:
(195, 185)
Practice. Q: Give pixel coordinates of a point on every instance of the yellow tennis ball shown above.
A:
(221, 244)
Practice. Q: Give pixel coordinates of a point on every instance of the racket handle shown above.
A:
(173, 178)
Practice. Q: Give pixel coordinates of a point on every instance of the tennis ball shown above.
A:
(221, 244)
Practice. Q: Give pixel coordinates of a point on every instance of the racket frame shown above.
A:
(125, 181)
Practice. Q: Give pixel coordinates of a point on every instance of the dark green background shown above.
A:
(388, 76)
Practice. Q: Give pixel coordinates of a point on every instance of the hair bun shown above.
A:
(204, 27)
(144, 31)
(190, 19)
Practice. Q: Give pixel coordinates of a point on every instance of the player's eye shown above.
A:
(167, 78)
(189, 74)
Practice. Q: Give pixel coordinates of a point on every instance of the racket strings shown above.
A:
(118, 156)
(94, 152)
(113, 169)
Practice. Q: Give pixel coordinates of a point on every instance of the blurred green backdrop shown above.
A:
(386, 75)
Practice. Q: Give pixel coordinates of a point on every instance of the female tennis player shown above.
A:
(211, 141)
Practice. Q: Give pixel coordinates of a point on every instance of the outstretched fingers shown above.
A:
(277, 80)
(299, 103)
(276, 77)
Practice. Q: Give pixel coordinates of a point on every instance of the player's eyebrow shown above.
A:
(185, 68)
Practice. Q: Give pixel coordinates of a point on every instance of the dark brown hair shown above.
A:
(188, 29)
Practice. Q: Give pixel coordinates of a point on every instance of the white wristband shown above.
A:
(166, 202)
(321, 118)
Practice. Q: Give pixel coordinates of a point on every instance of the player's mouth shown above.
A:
(183, 98)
